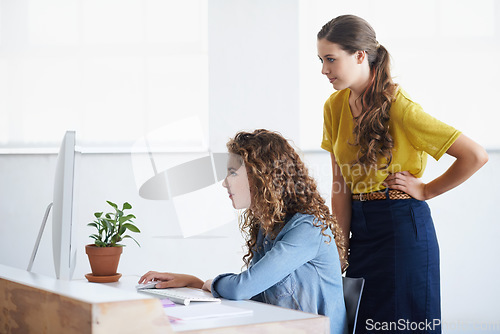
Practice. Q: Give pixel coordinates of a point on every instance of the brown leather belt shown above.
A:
(378, 195)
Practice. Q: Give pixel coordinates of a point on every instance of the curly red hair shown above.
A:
(280, 185)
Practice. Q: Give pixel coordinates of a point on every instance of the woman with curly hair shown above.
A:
(292, 259)
(379, 139)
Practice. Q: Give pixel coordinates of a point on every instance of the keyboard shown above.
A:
(182, 295)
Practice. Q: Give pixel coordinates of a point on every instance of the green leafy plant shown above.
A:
(112, 226)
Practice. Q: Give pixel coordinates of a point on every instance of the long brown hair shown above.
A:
(371, 131)
(280, 185)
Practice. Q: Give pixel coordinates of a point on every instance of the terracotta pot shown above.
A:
(103, 260)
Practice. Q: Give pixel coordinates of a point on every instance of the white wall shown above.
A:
(253, 66)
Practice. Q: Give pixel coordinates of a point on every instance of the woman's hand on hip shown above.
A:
(405, 181)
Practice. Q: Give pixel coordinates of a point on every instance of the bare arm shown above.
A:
(469, 155)
(341, 208)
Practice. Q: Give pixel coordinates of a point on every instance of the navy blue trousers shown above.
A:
(394, 247)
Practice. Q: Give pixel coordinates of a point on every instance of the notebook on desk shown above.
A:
(183, 295)
(206, 311)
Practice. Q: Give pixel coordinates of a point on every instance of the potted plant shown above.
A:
(104, 253)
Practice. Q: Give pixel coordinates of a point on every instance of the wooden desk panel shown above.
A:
(31, 303)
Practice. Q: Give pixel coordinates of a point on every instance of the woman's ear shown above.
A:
(360, 56)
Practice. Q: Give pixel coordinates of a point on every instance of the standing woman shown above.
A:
(379, 139)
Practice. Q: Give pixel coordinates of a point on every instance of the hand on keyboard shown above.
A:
(171, 280)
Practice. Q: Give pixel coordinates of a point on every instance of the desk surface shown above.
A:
(265, 317)
(262, 313)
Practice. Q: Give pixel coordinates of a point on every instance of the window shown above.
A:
(113, 70)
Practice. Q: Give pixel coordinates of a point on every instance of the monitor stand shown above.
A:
(37, 243)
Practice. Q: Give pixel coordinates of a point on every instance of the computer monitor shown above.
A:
(63, 248)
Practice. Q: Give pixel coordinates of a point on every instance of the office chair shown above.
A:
(353, 288)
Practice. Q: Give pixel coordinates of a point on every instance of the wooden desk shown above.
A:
(32, 303)
(38, 304)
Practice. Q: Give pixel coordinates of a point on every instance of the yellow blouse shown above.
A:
(414, 132)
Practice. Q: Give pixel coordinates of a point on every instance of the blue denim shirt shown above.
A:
(297, 270)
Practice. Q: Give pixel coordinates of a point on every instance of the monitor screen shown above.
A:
(62, 215)
(63, 246)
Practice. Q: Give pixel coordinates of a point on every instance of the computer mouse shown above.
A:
(148, 285)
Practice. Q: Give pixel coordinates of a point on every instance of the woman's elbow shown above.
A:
(236, 295)
(480, 157)
(231, 292)
(470, 152)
